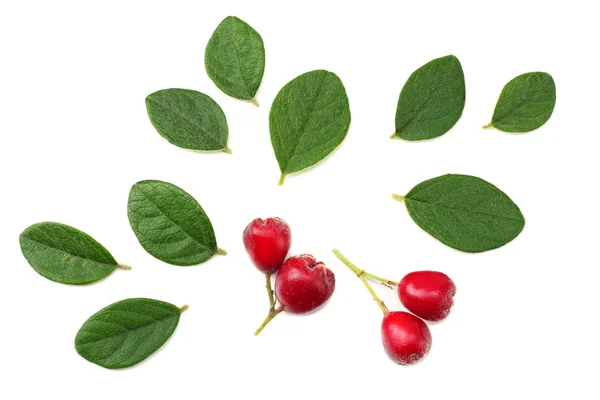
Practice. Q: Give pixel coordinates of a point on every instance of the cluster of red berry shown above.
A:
(427, 294)
(302, 283)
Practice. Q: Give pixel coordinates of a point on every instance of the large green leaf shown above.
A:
(126, 332)
(188, 119)
(309, 118)
(235, 59)
(64, 254)
(525, 104)
(431, 101)
(170, 224)
(464, 212)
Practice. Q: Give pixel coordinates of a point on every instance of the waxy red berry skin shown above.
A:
(303, 284)
(406, 338)
(267, 243)
(427, 294)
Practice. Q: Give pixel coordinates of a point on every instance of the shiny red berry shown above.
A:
(267, 243)
(303, 284)
(406, 338)
(427, 294)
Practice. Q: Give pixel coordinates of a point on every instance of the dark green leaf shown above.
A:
(464, 212)
(309, 118)
(170, 224)
(188, 119)
(64, 254)
(126, 332)
(525, 104)
(235, 59)
(431, 101)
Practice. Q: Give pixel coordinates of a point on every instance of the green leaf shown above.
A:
(235, 59)
(127, 332)
(525, 104)
(64, 254)
(309, 118)
(188, 119)
(431, 101)
(170, 224)
(464, 212)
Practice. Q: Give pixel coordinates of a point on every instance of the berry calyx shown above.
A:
(267, 243)
(405, 338)
(303, 284)
(427, 294)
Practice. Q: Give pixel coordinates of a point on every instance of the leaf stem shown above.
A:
(124, 267)
(361, 275)
(281, 178)
(488, 126)
(272, 314)
(394, 136)
(221, 252)
(226, 150)
(397, 197)
(183, 308)
(254, 101)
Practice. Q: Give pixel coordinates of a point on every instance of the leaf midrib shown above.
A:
(173, 222)
(204, 133)
(305, 122)
(463, 211)
(70, 254)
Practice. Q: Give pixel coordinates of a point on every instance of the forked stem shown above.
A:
(361, 275)
(272, 314)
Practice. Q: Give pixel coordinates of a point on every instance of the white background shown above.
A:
(76, 136)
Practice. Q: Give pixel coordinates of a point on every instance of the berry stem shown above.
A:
(272, 314)
(361, 275)
(270, 292)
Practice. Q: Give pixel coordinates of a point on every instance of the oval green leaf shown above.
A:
(525, 104)
(170, 224)
(126, 332)
(235, 59)
(464, 212)
(309, 118)
(64, 254)
(431, 101)
(188, 119)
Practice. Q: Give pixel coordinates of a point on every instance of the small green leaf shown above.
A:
(464, 212)
(127, 332)
(525, 104)
(170, 224)
(64, 254)
(188, 119)
(309, 118)
(431, 101)
(235, 59)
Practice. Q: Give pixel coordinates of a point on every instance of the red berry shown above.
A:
(303, 284)
(427, 294)
(267, 243)
(406, 338)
